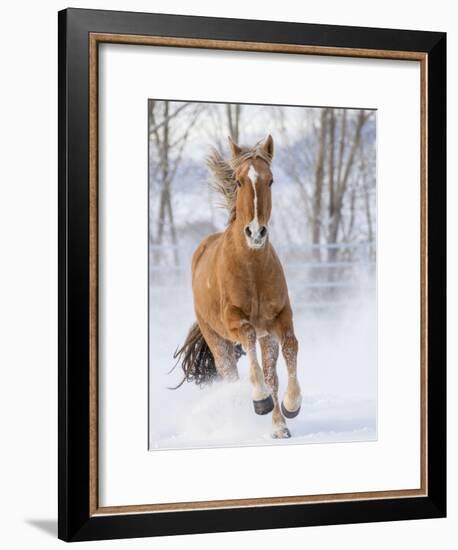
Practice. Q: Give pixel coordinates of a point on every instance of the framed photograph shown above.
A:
(251, 274)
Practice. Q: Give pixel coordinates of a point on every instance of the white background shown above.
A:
(130, 474)
(28, 297)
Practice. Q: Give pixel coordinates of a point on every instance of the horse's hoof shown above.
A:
(287, 413)
(264, 406)
(281, 433)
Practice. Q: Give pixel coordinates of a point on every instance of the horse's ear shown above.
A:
(268, 146)
(235, 149)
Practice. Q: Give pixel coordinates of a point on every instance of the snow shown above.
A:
(336, 369)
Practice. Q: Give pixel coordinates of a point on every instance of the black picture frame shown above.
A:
(76, 522)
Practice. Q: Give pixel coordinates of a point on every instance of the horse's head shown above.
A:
(254, 195)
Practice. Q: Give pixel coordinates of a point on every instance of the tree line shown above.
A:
(330, 157)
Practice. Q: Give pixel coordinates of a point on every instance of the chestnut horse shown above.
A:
(240, 293)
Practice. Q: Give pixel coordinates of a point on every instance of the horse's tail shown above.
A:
(196, 359)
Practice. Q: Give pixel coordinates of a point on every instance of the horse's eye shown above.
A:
(238, 183)
(271, 181)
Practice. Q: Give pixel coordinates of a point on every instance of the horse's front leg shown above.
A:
(269, 352)
(284, 330)
(242, 330)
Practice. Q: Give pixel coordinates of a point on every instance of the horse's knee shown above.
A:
(247, 336)
(239, 327)
(269, 351)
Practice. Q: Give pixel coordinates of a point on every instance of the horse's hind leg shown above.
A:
(269, 352)
(243, 332)
(222, 350)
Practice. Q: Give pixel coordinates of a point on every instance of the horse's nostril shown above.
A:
(247, 231)
(263, 231)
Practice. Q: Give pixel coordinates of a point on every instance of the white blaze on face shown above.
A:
(255, 233)
(254, 224)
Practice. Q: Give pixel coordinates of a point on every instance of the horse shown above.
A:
(240, 292)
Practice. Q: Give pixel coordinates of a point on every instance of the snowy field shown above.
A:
(337, 371)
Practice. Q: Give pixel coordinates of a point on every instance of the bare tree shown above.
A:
(318, 183)
(352, 143)
(233, 118)
(298, 167)
(224, 120)
(168, 138)
(328, 164)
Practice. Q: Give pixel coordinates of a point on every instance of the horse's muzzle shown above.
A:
(255, 237)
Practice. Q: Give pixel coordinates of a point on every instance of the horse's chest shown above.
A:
(263, 305)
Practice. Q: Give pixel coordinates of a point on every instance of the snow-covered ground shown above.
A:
(337, 371)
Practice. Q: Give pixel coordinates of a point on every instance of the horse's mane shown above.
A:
(223, 180)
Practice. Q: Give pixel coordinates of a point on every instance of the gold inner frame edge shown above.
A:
(94, 40)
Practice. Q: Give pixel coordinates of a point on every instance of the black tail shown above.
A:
(196, 359)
